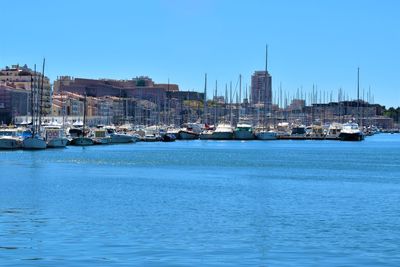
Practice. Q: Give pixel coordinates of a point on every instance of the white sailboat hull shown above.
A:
(34, 143)
(57, 142)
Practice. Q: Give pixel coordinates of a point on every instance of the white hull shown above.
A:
(34, 143)
(266, 135)
(10, 143)
(121, 139)
(57, 142)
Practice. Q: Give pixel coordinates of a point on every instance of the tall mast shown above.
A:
(34, 101)
(240, 89)
(265, 86)
(230, 105)
(205, 98)
(32, 115)
(358, 95)
(84, 115)
(240, 96)
(41, 96)
(216, 102)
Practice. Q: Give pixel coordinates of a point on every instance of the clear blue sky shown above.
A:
(310, 42)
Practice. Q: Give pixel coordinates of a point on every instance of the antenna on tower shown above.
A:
(266, 58)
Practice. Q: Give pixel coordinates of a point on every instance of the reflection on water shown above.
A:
(276, 203)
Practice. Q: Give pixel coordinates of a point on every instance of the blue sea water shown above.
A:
(203, 203)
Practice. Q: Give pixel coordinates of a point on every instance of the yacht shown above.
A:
(100, 137)
(298, 131)
(334, 131)
(223, 131)
(351, 132)
(244, 131)
(316, 131)
(121, 138)
(190, 131)
(82, 141)
(265, 134)
(283, 129)
(10, 138)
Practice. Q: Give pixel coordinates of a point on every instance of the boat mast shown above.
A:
(240, 97)
(205, 99)
(358, 95)
(216, 102)
(41, 97)
(230, 105)
(63, 113)
(32, 115)
(266, 96)
(84, 115)
(34, 102)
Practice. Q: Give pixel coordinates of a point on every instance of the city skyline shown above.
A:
(310, 43)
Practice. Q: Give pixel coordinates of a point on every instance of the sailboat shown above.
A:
(83, 140)
(35, 141)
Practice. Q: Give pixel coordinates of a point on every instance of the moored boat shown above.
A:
(82, 141)
(223, 131)
(34, 143)
(244, 131)
(264, 134)
(54, 137)
(100, 137)
(351, 132)
(10, 139)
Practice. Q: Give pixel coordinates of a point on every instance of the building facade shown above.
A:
(261, 88)
(13, 102)
(24, 78)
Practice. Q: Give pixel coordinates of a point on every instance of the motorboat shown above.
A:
(10, 138)
(334, 131)
(190, 131)
(351, 132)
(266, 134)
(244, 131)
(100, 137)
(223, 131)
(82, 141)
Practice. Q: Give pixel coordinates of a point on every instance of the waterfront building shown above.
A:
(13, 102)
(141, 87)
(19, 77)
